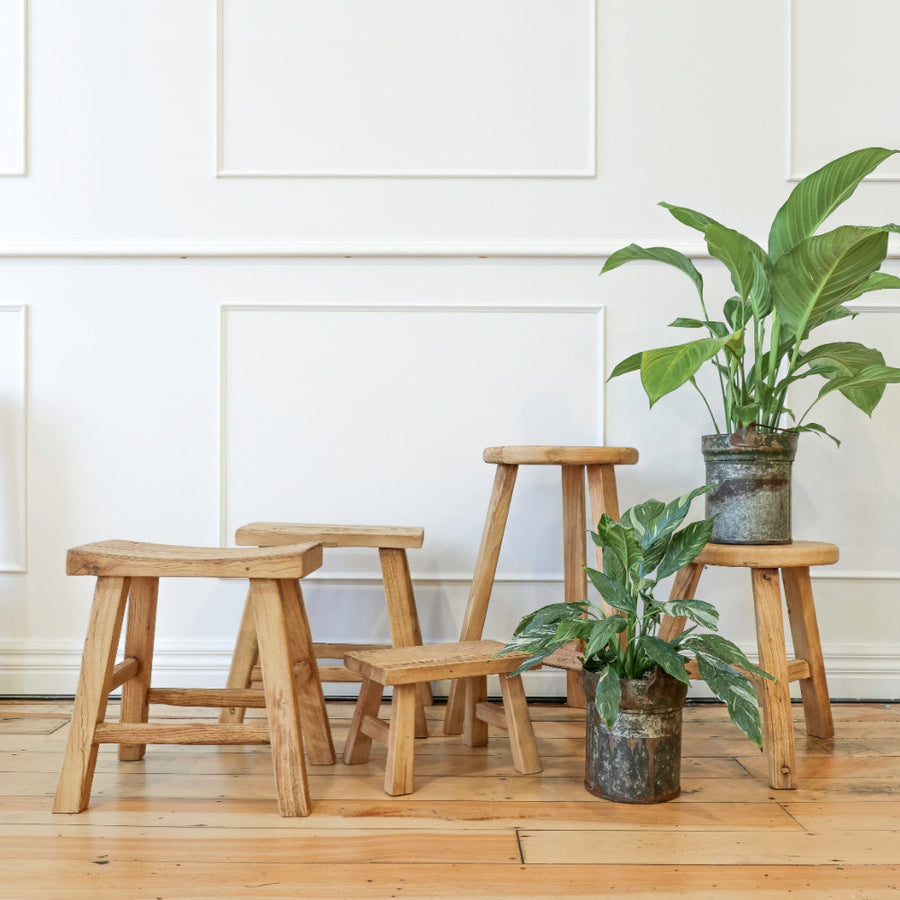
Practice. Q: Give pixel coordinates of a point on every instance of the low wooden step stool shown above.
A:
(598, 463)
(128, 575)
(403, 669)
(764, 561)
(392, 544)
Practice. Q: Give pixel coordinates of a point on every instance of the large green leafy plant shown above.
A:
(757, 343)
(644, 547)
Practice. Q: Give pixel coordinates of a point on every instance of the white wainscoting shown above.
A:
(13, 87)
(13, 439)
(844, 76)
(406, 88)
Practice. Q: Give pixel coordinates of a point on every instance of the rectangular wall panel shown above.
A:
(13, 480)
(12, 87)
(844, 75)
(406, 87)
(380, 415)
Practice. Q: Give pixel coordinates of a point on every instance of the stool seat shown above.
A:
(404, 668)
(410, 665)
(540, 455)
(273, 534)
(769, 556)
(135, 559)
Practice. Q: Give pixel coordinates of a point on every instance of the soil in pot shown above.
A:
(638, 760)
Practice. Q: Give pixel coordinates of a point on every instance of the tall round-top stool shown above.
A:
(597, 465)
(765, 561)
(128, 576)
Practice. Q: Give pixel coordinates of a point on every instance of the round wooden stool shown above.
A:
(128, 575)
(598, 464)
(764, 561)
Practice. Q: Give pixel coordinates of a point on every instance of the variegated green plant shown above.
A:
(758, 343)
(640, 550)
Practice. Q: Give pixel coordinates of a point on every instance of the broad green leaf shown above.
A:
(535, 660)
(612, 591)
(877, 281)
(818, 195)
(633, 253)
(725, 651)
(602, 633)
(639, 517)
(822, 272)
(698, 611)
(817, 429)
(738, 253)
(551, 614)
(609, 696)
(665, 656)
(736, 312)
(719, 329)
(685, 546)
(620, 541)
(632, 364)
(736, 692)
(673, 514)
(690, 217)
(839, 360)
(760, 295)
(746, 415)
(869, 378)
(666, 369)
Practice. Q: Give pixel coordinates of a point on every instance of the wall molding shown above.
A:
(589, 171)
(21, 565)
(19, 118)
(854, 670)
(596, 310)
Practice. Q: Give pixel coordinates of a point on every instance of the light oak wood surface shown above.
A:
(154, 831)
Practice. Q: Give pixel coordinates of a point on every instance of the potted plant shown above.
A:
(636, 681)
(758, 345)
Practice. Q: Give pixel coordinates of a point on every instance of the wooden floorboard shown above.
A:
(202, 822)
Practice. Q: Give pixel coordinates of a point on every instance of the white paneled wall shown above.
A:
(295, 260)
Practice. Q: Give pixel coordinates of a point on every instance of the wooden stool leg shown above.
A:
(359, 742)
(574, 559)
(604, 497)
(278, 655)
(805, 631)
(398, 777)
(482, 582)
(73, 791)
(139, 636)
(401, 607)
(317, 732)
(244, 658)
(475, 731)
(775, 697)
(525, 754)
(683, 588)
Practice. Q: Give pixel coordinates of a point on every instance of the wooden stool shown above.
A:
(599, 464)
(406, 667)
(764, 561)
(392, 544)
(128, 574)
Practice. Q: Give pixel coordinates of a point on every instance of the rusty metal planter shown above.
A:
(639, 759)
(752, 502)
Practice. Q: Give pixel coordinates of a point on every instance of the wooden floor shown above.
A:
(202, 821)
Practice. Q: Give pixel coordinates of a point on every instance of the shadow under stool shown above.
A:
(392, 544)
(128, 576)
(598, 464)
(764, 562)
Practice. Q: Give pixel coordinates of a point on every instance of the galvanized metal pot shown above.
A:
(752, 502)
(639, 759)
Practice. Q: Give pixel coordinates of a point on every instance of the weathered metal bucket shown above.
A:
(752, 502)
(639, 759)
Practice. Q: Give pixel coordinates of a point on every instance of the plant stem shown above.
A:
(709, 408)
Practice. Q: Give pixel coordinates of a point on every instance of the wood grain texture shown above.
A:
(544, 455)
(275, 534)
(770, 556)
(471, 829)
(134, 559)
